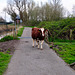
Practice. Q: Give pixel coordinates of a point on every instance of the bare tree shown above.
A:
(28, 10)
(5, 10)
(31, 7)
(1, 19)
(18, 6)
(42, 12)
(73, 10)
(56, 9)
(11, 11)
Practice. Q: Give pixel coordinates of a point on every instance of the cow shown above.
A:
(38, 34)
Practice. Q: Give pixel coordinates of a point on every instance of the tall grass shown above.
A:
(4, 60)
(66, 51)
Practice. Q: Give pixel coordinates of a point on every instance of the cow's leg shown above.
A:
(33, 43)
(42, 44)
(38, 44)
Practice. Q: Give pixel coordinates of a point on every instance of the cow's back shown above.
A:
(35, 33)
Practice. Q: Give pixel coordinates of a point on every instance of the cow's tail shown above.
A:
(47, 36)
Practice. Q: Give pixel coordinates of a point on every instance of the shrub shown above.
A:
(7, 38)
(60, 29)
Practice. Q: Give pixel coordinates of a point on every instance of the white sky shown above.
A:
(68, 5)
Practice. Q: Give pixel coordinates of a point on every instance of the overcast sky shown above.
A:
(68, 5)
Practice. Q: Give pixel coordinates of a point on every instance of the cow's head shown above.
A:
(42, 31)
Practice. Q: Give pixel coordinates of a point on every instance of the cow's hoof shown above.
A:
(36, 45)
(41, 48)
(38, 48)
(33, 46)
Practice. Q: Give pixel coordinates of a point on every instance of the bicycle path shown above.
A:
(32, 61)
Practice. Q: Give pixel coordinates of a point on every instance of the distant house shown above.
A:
(2, 21)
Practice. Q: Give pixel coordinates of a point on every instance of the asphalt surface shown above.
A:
(32, 61)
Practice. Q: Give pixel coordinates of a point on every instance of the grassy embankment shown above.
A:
(5, 56)
(4, 60)
(60, 36)
(66, 50)
(20, 32)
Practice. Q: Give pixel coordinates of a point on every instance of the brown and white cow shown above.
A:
(38, 34)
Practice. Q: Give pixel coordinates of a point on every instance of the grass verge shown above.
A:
(7, 38)
(4, 60)
(66, 50)
(20, 32)
(30, 26)
(6, 56)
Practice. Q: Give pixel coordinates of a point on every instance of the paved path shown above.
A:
(31, 61)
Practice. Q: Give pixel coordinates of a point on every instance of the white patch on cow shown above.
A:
(42, 29)
(42, 44)
(33, 43)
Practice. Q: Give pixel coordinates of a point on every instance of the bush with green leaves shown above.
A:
(60, 29)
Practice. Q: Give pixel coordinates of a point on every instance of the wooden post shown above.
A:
(70, 34)
(15, 29)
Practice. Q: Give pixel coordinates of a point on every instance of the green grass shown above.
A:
(20, 32)
(63, 40)
(66, 50)
(30, 26)
(5, 56)
(4, 60)
(7, 38)
(60, 40)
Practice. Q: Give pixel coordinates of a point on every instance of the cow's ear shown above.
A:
(45, 30)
